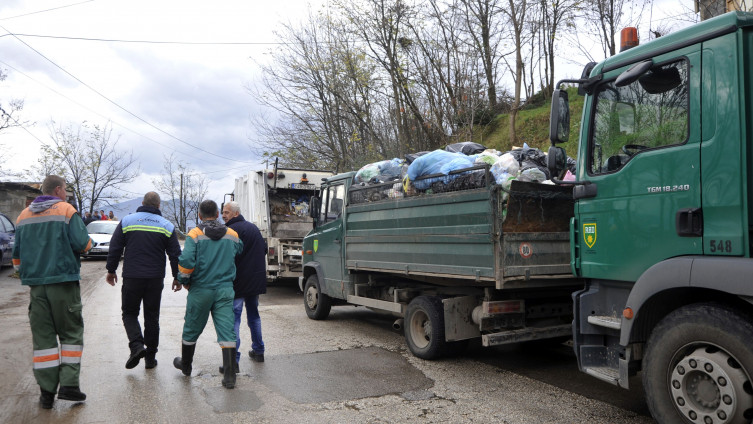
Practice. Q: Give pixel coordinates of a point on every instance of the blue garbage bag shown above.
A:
(437, 162)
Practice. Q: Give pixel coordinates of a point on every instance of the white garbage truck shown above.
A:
(277, 201)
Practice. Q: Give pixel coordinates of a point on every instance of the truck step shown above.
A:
(525, 334)
(605, 321)
(610, 375)
(378, 304)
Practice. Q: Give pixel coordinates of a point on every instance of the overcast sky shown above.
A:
(161, 98)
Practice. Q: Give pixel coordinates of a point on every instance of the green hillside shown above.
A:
(532, 127)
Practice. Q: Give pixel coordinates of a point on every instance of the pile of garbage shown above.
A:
(459, 166)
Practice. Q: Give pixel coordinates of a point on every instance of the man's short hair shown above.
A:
(50, 183)
(208, 209)
(233, 206)
(151, 199)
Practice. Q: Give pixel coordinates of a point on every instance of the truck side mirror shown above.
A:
(316, 204)
(559, 118)
(633, 73)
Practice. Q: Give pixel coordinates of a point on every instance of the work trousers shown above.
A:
(136, 291)
(254, 324)
(200, 302)
(55, 315)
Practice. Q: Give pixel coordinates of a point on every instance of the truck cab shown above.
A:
(661, 231)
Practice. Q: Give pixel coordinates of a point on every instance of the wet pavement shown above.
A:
(351, 367)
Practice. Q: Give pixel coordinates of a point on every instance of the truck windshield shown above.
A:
(652, 112)
(334, 203)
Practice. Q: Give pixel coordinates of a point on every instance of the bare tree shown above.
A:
(324, 87)
(88, 159)
(516, 16)
(606, 18)
(182, 190)
(9, 115)
(555, 17)
(483, 27)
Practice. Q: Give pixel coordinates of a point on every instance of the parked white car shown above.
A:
(100, 233)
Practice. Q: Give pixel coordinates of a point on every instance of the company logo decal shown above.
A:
(589, 234)
(316, 245)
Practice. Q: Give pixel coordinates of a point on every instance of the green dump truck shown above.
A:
(448, 263)
(658, 241)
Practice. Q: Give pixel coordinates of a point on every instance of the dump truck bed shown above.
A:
(463, 237)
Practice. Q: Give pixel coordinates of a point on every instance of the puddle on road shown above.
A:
(339, 375)
(224, 400)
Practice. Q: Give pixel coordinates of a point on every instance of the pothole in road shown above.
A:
(341, 375)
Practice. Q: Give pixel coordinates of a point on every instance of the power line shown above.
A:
(119, 106)
(189, 43)
(47, 10)
(96, 113)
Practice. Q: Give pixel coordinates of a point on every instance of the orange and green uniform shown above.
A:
(49, 238)
(208, 265)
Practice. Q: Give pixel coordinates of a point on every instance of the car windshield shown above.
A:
(102, 227)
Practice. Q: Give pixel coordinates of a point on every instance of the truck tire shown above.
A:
(697, 366)
(424, 327)
(317, 304)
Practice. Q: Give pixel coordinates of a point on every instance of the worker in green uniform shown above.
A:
(50, 235)
(207, 269)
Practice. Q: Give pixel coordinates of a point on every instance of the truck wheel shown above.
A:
(317, 304)
(697, 366)
(424, 327)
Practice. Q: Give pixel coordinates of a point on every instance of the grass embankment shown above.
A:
(532, 127)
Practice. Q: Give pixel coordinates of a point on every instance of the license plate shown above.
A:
(302, 186)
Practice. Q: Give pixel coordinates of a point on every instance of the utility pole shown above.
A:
(182, 215)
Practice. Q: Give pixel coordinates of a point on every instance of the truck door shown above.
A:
(643, 156)
(329, 245)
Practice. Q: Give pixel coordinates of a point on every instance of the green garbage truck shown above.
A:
(654, 236)
(661, 232)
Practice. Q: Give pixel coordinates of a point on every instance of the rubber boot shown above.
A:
(237, 369)
(184, 361)
(228, 361)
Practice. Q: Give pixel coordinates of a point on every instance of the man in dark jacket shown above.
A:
(250, 279)
(146, 237)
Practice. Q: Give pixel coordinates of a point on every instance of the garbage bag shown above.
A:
(410, 157)
(380, 172)
(465, 147)
(533, 175)
(366, 173)
(487, 158)
(505, 164)
(436, 162)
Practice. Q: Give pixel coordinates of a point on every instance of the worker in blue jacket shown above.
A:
(146, 237)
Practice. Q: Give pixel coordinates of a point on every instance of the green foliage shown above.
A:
(532, 127)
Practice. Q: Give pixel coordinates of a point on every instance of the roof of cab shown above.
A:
(711, 28)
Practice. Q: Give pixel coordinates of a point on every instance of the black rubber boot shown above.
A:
(237, 369)
(46, 399)
(184, 361)
(71, 393)
(228, 365)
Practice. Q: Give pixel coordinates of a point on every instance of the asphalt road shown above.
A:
(351, 367)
